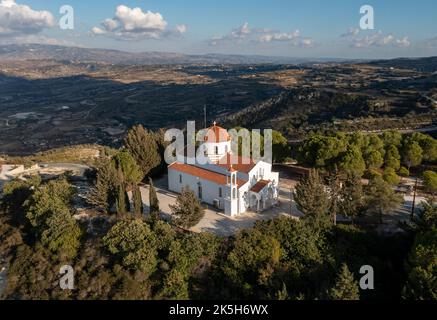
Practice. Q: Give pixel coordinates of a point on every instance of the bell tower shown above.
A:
(231, 200)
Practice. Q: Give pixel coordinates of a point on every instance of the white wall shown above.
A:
(243, 189)
(222, 149)
(262, 171)
(210, 190)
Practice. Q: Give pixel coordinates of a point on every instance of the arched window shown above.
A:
(180, 178)
(200, 191)
(234, 193)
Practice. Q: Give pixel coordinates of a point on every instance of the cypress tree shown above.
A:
(153, 202)
(104, 192)
(120, 203)
(137, 201)
(127, 201)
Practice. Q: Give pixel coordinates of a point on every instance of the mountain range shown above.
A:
(61, 53)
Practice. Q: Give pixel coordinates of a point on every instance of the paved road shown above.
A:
(80, 168)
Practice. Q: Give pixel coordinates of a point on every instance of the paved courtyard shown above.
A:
(216, 222)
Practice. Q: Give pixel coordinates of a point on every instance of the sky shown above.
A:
(301, 29)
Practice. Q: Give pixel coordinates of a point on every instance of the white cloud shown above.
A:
(236, 35)
(180, 28)
(16, 19)
(352, 32)
(268, 37)
(404, 42)
(306, 42)
(241, 32)
(110, 24)
(135, 24)
(97, 31)
(244, 34)
(357, 39)
(135, 20)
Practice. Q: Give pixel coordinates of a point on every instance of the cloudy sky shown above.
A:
(310, 28)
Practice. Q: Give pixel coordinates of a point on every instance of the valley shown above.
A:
(47, 103)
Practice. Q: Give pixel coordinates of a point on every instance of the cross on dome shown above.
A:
(216, 134)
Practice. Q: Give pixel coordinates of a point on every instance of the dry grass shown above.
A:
(81, 154)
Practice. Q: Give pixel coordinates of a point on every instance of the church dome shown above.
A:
(216, 134)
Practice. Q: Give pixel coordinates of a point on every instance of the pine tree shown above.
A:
(126, 163)
(62, 235)
(142, 145)
(311, 195)
(352, 197)
(159, 136)
(137, 201)
(283, 293)
(412, 154)
(392, 158)
(352, 161)
(422, 268)
(381, 198)
(346, 288)
(153, 202)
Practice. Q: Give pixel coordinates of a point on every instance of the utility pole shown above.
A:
(414, 200)
(204, 113)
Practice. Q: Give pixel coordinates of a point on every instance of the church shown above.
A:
(226, 181)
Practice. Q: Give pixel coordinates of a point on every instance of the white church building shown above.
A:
(226, 181)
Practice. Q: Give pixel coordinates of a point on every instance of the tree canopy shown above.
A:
(311, 196)
(430, 181)
(142, 145)
(187, 211)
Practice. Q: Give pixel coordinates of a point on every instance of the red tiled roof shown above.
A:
(203, 173)
(238, 163)
(259, 186)
(232, 169)
(216, 134)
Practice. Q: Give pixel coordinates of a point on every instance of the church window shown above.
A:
(200, 192)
